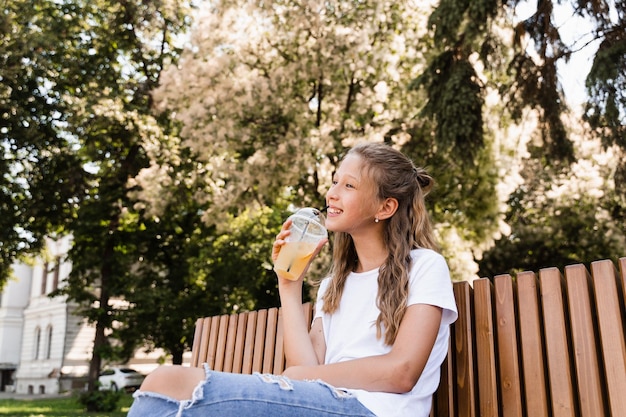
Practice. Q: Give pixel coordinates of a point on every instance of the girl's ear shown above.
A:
(387, 209)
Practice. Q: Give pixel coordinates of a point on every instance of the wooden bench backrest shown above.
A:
(242, 343)
(537, 345)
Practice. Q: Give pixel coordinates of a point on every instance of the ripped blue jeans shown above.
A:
(236, 395)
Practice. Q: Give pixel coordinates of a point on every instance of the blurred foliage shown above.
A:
(104, 401)
(554, 234)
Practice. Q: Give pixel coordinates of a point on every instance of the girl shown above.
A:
(381, 327)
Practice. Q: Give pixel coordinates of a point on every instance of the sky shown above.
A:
(575, 32)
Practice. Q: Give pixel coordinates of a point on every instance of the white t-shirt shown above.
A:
(350, 332)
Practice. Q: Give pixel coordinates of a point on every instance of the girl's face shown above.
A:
(351, 199)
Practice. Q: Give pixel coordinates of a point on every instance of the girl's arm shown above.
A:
(396, 371)
(301, 346)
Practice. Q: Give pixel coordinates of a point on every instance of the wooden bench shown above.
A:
(534, 345)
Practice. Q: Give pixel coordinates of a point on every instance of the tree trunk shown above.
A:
(96, 360)
(177, 357)
(100, 339)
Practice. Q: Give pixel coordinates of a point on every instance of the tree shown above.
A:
(97, 78)
(76, 126)
(189, 268)
(42, 177)
(470, 35)
(556, 221)
(273, 106)
(468, 29)
(127, 44)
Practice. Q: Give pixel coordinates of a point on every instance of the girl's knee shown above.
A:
(177, 382)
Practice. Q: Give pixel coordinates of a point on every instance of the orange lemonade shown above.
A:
(293, 258)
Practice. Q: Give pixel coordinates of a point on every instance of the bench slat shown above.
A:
(220, 350)
(270, 340)
(443, 399)
(485, 347)
(229, 352)
(278, 359)
(240, 340)
(584, 340)
(259, 341)
(464, 353)
(509, 377)
(213, 325)
(531, 346)
(557, 346)
(248, 350)
(610, 310)
(197, 343)
(622, 282)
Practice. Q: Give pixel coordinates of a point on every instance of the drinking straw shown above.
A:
(306, 226)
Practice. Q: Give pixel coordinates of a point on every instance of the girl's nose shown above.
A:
(330, 194)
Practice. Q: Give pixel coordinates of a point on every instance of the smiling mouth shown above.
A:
(332, 210)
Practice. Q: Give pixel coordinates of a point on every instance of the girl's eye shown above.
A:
(334, 182)
(349, 185)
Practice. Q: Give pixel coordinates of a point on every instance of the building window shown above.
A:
(37, 343)
(48, 341)
(44, 278)
(57, 270)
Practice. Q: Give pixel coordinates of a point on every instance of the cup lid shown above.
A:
(311, 218)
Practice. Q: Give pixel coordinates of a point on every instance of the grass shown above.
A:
(56, 407)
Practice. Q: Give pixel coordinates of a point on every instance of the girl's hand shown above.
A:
(280, 239)
(280, 242)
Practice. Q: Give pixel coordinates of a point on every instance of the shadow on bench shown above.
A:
(533, 345)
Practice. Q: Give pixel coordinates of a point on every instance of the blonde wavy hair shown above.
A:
(394, 176)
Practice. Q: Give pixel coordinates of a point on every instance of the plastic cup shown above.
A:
(307, 230)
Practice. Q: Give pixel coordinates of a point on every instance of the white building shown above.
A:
(44, 347)
(13, 302)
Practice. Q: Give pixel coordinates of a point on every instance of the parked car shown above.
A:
(117, 378)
